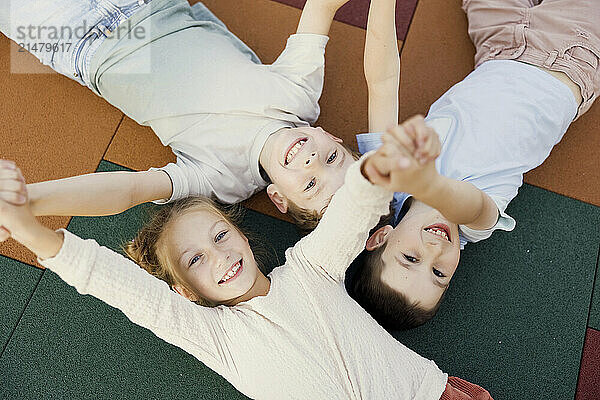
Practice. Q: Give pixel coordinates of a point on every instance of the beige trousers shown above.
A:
(560, 35)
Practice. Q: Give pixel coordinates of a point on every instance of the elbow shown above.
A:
(378, 72)
(383, 84)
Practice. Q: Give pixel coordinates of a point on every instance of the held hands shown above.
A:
(16, 219)
(405, 161)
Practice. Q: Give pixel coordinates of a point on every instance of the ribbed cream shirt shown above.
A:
(306, 339)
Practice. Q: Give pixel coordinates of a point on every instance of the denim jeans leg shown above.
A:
(63, 33)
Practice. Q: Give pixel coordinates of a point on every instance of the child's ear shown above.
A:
(378, 238)
(183, 291)
(280, 201)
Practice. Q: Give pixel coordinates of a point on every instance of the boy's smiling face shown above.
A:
(421, 254)
(307, 166)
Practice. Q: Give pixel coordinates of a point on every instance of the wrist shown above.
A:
(33, 197)
(324, 9)
(362, 168)
(433, 189)
(316, 18)
(368, 168)
(42, 241)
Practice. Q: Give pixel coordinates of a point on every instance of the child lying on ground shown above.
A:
(235, 125)
(536, 71)
(290, 327)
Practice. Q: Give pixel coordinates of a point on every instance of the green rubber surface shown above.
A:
(514, 318)
(17, 283)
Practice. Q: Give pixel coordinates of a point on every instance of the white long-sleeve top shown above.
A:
(305, 339)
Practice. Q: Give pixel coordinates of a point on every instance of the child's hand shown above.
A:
(417, 138)
(394, 166)
(12, 183)
(15, 216)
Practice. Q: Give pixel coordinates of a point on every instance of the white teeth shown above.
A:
(231, 272)
(438, 232)
(294, 150)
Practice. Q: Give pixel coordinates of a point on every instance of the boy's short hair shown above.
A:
(307, 220)
(391, 309)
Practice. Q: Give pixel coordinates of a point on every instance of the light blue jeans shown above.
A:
(65, 34)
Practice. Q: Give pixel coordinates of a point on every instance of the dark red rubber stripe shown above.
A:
(588, 387)
(355, 13)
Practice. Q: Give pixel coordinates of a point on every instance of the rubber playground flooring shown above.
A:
(521, 318)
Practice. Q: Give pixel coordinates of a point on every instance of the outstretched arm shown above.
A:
(382, 65)
(110, 277)
(415, 145)
(102, 193)
(342, 232)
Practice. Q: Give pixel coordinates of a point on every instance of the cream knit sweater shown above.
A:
(306, 339)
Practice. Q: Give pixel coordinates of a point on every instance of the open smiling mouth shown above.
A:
(440, 230)
(233, 272)
(293, 150)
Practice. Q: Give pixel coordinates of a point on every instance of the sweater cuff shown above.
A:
(359, 185)
(69, 263)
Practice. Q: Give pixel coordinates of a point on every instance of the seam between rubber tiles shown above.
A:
(587, 323)
(22, 313)
(560, 194)
(111, 140)
(412, 17)
(26, 263)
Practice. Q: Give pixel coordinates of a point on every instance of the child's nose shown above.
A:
(311, 159)
(221, 257)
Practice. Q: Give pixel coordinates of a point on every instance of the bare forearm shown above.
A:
(381, 59)
(316, 17)
(382, 65)
(104, 193)
(461, 202)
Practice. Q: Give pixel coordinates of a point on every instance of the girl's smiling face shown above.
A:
(211, 258)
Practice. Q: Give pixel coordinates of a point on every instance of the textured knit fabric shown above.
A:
(306, 339)
(459, 389)
(204, 95)
(501, 121)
